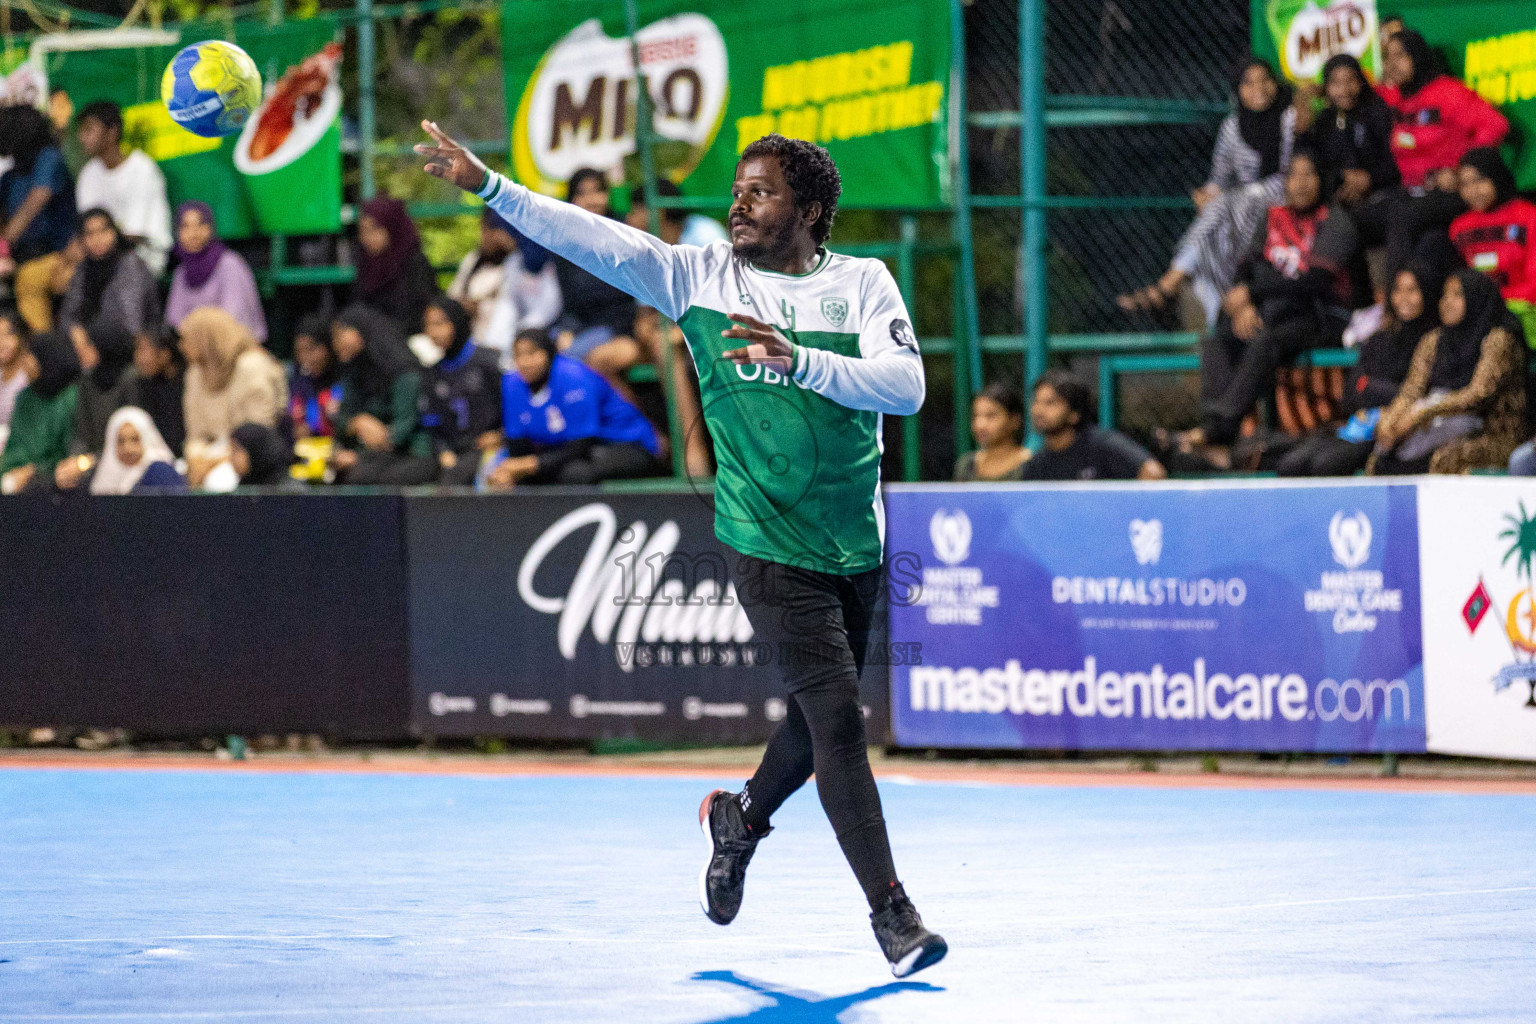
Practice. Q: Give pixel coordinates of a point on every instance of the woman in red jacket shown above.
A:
(1497, 234)
(1437, 119)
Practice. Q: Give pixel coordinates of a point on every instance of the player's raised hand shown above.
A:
(765, 344)
(450, 161)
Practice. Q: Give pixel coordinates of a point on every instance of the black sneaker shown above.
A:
(730, 851)
(906, 943)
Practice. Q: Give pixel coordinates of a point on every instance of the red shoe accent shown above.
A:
(704, 807)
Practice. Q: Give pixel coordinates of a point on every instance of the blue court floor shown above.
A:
(232, 896)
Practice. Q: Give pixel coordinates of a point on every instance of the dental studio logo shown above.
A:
(1354, 596)
(1519, 615)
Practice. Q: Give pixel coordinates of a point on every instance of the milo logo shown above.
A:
(1306, 34)
(579, 108)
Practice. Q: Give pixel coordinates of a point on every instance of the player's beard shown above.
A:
(772, 242)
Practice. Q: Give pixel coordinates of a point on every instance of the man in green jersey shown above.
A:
(799, 353)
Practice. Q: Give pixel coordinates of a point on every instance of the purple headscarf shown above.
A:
(198, 267)
(377, 274)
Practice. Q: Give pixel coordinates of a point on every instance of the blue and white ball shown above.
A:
(211, 88)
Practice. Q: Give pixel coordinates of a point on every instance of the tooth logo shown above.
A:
(578, 109)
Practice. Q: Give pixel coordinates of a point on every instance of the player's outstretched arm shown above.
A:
(630, 260)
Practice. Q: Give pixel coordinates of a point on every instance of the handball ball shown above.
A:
(211, 89)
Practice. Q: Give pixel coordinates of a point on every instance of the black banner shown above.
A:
(582, 615)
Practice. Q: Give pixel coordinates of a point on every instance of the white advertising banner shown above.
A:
(1477, 554)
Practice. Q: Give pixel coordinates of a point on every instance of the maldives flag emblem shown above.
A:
(1476, 607)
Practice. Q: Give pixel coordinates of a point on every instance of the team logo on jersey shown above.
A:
(835, 310)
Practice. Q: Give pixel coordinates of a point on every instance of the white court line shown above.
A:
(1281, 905)
(345, 1012)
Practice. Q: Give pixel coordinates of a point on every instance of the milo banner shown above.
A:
(1490, 44)
(567, 613)
(194, 167)
(868, 79)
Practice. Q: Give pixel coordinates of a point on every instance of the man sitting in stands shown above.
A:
(1072, 447)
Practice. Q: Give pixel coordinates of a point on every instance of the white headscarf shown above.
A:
(112, 477)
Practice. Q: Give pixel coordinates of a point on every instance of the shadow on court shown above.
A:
(803, 1008)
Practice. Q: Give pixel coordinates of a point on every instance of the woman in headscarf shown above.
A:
(230, 380)
(209, 273)
(43, 417)
(1437, 120)
(1462, 406)
(159, 384)
(393, 275)
(1343, 450)
(105, 386)
(1352, 136)
(564, 424)
(1253, 148)
(381, 437)
(314, 382)
(1497, 234)
(460, 395)
(111, 285)
(136, 457)
(261, 456)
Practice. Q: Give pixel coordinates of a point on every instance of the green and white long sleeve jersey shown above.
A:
(798, 457)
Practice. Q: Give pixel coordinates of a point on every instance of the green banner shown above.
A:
(194, 167)
(868, 79)
(1491, 45)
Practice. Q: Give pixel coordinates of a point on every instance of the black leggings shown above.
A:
(1324, 453)
(818, 627)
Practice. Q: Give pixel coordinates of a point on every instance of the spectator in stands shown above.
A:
(1497, 234)
(1072, 447)
(314, 383)
(381, 437)
(1389, 26)
(997, 417)
(1462, 406)
(564, 424)
(261, 456)
(597, 321)
(43, 418)
(16, 366)
(105, 386)
(1253, 147)
(677, 227)
(230, 380)
(37, 211)
(209, 273)
(1375, 381)
(130, 187)
(529, 297)
(460, 394)
(136, 457)
(1294, 293)
(1438, 120)
(393, 275)
(158, 384)
(112, 288)
(1352, 137)
(481, 274)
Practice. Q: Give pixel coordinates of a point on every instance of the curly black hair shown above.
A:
(811, 174)
(24, 133)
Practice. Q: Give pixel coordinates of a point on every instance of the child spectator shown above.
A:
(15, 362)
(136, 457)
(997, 417)
(1294, 293)
(209, 273)
(314, 383)
(481, 273)
(230, 380)
(43, 417)
(1497, 234)
(677, 227)
(1462, 406)
(261, 457)
(158, 384)
(380, 433)
(597, 321)
(1253, 148)
(1073, 448)
(393, 275)
(460, 394)
(564, 424)
(1375, 381)
(129, 187)
(37, 210)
